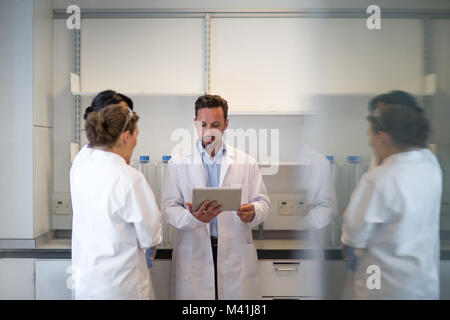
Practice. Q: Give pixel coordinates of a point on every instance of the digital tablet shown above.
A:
(228, 197)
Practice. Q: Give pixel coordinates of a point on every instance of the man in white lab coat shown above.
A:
(392, 220)
(214, 256)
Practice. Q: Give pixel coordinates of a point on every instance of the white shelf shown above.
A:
(430, 83)
(75, 84)
(144, 94)
(271, 113)
(282, 163)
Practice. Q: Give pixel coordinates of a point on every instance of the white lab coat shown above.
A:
(393, 220)
(115, 217)
(321, 189)
(192, 261)
(321, 198)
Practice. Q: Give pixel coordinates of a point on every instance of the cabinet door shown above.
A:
(279, 64)
(16, 279)
(161, 278)
(336, 280)
(290, 278)
(445, 280)
(53, 279)
(160, 56)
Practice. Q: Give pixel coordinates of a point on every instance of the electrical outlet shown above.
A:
(286, 207)
(61, 206)
(301, 208)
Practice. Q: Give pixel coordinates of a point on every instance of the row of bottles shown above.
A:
(346, 176)
(154, 173)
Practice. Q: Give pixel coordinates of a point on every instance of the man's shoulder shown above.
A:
(240, 156)
(179, 155)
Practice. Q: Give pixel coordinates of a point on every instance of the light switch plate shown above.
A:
(286, 207)
(62, 204)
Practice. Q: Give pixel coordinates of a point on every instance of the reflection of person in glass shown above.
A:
(321, 189)
(396, 97)
(392, 220)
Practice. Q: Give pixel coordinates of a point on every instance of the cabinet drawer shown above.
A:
(53, 279)
(290, 278)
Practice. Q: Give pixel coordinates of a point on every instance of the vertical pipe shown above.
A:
(207, 53)
(427, 60)
(77, 101)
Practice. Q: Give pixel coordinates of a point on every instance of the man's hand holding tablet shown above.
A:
(207, 211)
(246, 212)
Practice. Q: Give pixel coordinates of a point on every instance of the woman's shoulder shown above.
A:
(130, 175)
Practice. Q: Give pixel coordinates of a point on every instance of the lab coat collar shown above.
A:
(194, 152)
(406, 156)
(194, 157)
(105, 156)
(202, 150)
(227, 160)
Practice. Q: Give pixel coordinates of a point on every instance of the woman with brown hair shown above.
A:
(392, 221)
(115, 216)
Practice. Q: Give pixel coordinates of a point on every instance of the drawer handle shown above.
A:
(286, 263)
(286, 268)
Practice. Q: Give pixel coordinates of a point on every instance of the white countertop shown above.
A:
(266, 244)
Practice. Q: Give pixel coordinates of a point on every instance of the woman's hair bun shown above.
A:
(105, 126)
(87, 111)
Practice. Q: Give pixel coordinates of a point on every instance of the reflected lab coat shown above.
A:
(115, 217)
(393, 220)
(192, 260)
(321, 188)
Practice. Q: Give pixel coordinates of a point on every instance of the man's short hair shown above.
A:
(395, 97)
(211, 101)
(408, 128)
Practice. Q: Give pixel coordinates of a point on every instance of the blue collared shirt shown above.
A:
(212, 168)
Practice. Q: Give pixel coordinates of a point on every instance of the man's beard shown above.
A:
(212, 144)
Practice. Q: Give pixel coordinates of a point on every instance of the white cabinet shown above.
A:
(282, 62)
(163, 56)
(445, 280)
(161, 278)
(53, 279)
(28, 279)
(16, 279)
(290, 279)
(335, 279)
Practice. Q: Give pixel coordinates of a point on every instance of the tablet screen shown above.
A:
(228, 197)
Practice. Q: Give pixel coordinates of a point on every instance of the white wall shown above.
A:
(43, 116)
(26, 138)
(16, 122)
